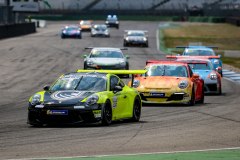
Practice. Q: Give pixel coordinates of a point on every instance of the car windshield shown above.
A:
(209, 65)
(199, 52)
(104, 54)
(135, 34)
(86, 23)
(71, 27)
(84, 83)
(111, 19)
(100, 27)
(166, 70)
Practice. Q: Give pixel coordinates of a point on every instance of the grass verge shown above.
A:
(225, 36)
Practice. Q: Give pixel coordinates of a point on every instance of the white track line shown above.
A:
(205, 150)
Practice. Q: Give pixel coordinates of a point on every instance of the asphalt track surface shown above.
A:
(29, 62)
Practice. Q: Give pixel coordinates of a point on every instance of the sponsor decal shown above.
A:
(57, 112)
(97, 113)
(114, 102)
(157, 94)
(66, 95)
(39, 106)
(79, 107)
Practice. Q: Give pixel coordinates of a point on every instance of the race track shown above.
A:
(29, 62)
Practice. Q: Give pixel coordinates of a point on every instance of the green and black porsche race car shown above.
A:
(86, 96)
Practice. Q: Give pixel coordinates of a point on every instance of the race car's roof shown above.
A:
(136, 31)
(115, 71)
(71, 26)
(107, 48)
(193, 57)
(197, 47)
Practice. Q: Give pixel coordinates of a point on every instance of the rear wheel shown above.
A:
(136, 109)
(192, 101)
(107, 114)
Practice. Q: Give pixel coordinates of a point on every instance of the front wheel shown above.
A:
(80, 36)
(202, 96)
(192, 101)
(137, 106)
(220, 91)
(107, 114)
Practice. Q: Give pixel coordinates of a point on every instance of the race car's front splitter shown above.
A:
(211, 86)
(73, 115)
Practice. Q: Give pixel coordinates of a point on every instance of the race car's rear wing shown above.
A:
(196, 57)
(117, 72)
(136, 30)
(188, 61)
(196, 46)
(122, 48)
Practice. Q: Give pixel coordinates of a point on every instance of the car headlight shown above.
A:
(122, 63)
(106, 21)
(78, 31)
(145, 39)
(36, 99)
(127, 39)
(183, 84)
(90, 63)
(216, 62)
(136, 83)
(117, 22)
(213, 76)
(106, 31)
(64, 31)
(92, 99)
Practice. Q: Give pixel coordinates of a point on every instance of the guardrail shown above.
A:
(13, 30)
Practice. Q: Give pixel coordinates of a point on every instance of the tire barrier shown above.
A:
(13, 30)
(233, 20)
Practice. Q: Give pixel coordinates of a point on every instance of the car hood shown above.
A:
(202, 73)
(160, 82)
(65, 97)
(108, 61)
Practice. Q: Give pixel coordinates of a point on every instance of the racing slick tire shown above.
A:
(117, 27)
(92, 35)
(63, 36)
(36, 125)
(85, 65)
(192, 100)
(80, 36)
(220, 91)
(125, 44)
(146, 45)
(136, 109)
(127, 68)
(107, 114)
(202, 96)
(221, 75)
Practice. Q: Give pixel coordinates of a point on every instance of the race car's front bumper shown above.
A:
(68, 115)
(166, 97)
(112, 24)
(136, 42)
(71, 35)
(211, 86)
(100, 34)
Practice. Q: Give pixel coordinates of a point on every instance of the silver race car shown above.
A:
(100, 30)
(106, 58)
(135, 37)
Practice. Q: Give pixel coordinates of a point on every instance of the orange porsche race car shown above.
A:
(169, 82)
(86, 25)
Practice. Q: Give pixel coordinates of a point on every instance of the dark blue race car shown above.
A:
(72, 31)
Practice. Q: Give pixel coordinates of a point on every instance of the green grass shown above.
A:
(225, 36)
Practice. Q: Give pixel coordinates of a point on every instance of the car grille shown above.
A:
(210, 87)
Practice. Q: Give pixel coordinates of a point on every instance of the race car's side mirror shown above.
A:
(84, 56)
(127, 56)
(117, 89)
(195, 76)
(219, 68)
(46, 88)
(220, 56)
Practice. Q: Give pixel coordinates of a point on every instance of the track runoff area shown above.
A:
(204, 131)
